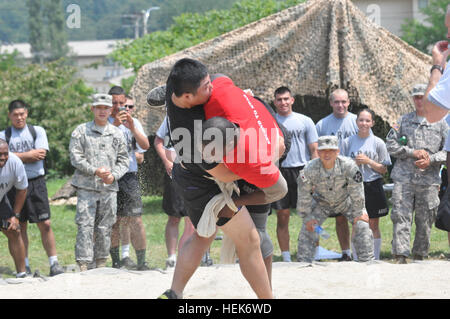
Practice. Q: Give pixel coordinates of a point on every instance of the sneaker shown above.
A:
(116, 264)
(206, 260)
(345, 257)
(169, 294)
(418, 257)
(143, 267)
(128, 263)
(170, 263)
(22, 275)
(399, 259)
(56, 269)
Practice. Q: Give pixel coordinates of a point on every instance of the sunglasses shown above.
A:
(129, 106)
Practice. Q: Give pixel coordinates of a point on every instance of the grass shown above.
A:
(155, 219)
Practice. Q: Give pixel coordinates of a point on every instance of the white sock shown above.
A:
(52, 259)
(354, 254)
(377, 248)
(27, 262)
(125, 251)
(286, 256)
(347, 252)
(172, 257)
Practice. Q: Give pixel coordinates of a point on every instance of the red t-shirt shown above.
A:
(252, 158)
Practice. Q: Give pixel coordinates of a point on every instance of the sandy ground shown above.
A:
(322, 280)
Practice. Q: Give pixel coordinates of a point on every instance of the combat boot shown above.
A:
(100, 263)
(83, 266)
(400, 259)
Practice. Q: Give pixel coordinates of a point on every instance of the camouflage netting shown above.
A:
(312, 48)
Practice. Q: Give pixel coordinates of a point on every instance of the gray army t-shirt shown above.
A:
(12, 174)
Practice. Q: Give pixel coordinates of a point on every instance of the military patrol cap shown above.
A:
(328, 143)
(419, 89)
(102, 99)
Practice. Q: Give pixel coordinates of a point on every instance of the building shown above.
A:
(91, 58)
(391, 14)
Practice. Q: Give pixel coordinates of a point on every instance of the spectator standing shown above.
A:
(129, 202)
(173, 205)
(98, 151)
(418, 147)
(30, 144)
(303, 148)
(371, 155)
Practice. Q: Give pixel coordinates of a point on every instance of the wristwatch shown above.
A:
(17, 216)
(436, 66)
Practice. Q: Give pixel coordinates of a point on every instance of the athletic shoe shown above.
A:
(116, 264)
(418, 257)
(143, 267)
(28, 271)
(345, 257)
(100, 263)
(56, 269)
(206, 260)
(83, 266)
(170, 263)
(169, 294)
(399, 259)
(128, 263)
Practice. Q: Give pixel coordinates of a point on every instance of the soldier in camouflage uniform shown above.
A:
(418, 148)
(329, 185)
(99, 153)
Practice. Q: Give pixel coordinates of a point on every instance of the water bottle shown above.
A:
(321, 232)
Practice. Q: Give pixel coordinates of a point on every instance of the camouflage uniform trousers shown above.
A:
(407, 198)
(96, 214)
(362, 238)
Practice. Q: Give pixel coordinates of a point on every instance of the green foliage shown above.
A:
(421, 36)
(193, 28)
(47, 35)
(57, 100)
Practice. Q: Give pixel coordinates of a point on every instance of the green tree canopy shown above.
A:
(57, 100)
(422, 35)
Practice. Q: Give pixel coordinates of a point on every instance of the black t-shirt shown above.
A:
(180, 118)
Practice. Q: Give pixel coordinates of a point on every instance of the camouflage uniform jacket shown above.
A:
(335, 191)
(420, 135)
(92, 147)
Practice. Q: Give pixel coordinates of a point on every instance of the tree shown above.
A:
(423, 35)
(47, 35)
(58, 102)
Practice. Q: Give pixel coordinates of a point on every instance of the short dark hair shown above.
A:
(17, 104)
(186, 75)
(281, 90)
(116, 90)
(366, 109)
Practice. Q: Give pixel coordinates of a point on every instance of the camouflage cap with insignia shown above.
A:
(328, 143)
(102, 99)
(419, 89)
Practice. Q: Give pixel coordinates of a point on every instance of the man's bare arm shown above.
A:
(32, 156)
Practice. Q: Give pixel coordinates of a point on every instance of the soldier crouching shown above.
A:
(330, 185)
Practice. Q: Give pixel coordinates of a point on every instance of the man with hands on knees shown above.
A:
(12, 173)
(98, 151)
(328, 185)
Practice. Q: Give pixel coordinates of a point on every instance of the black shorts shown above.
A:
(195, 190)
(6, 211)
(247, 188)
(290, 174)
(129, 201)
(172, 203)
(36, 208)
(376, 202)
